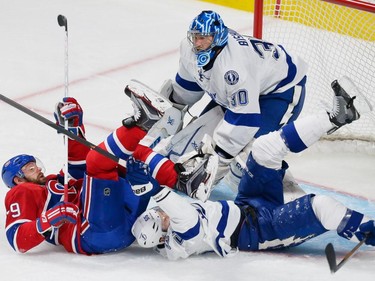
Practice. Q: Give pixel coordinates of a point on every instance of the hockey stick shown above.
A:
(62, 21)
(62, 130)
(331, 256)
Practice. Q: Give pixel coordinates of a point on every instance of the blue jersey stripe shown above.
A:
(115, 148)
(155, 161)
(292, 71)
(191, 233)
(222, 225)
(291, 138)
(243, 119)
(188, 85)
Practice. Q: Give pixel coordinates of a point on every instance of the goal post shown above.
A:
(336, 38)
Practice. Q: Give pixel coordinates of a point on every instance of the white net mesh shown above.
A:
(335, 41)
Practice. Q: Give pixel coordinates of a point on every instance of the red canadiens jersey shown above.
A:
(25, 203)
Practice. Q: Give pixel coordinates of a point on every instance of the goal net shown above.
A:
(336, 39)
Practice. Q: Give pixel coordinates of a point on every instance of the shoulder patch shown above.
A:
(231, 77)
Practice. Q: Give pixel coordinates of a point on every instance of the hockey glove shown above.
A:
(62, 212)
(139, 177)
(223, 158)
(70, 110)
(196, 175)
(367, 229)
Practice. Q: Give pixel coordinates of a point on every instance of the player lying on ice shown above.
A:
(258, 219)
(101, 206)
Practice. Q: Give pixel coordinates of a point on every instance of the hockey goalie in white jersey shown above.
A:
(259, 85)
(258, 219)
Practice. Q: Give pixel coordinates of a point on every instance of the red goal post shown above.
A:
(336, 38)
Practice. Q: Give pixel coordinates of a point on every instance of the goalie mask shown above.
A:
(148, 230)
(207, 23)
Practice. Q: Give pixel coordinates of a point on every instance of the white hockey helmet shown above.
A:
(147, 229)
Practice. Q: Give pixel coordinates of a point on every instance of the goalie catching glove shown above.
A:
(224, 159)
(197, 173)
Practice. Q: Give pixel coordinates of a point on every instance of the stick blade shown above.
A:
(331, 257)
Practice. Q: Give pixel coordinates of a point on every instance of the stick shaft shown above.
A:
(60, 129)
(350, 254)
(331, 255)
(62, 21)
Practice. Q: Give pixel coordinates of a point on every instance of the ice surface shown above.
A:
(111, 42)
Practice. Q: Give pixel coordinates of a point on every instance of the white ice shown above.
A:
(111, 42)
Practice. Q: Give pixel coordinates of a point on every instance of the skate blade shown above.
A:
(361, 103)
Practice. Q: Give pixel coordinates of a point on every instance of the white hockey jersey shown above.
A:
(197, 227)
(244, 69)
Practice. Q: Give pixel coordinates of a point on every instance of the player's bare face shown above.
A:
(202, 42)
(33, 173)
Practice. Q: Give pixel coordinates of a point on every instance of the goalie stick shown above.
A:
(62, 130)
(331, 256)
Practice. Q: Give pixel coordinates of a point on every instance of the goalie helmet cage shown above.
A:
(336, 38)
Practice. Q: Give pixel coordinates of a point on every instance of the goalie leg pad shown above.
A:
(190, 137)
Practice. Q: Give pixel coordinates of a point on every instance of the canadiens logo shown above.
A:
(231, 77)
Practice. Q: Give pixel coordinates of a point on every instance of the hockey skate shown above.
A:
(344, 111)
(196, 175)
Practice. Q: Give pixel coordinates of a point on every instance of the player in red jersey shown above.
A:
(101, 207)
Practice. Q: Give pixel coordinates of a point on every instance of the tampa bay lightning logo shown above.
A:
(231, 77)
